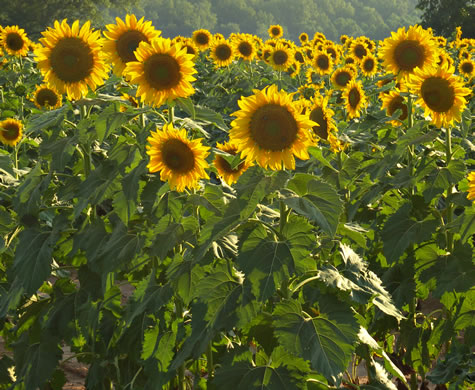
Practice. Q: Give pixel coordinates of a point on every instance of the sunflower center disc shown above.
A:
(275, 31)
(223, 52)
(360, 51)
(11, 131)
(368, 65)
(273, 127)
(395, 104)
(280, 57)
(467, 67)
(245, 49)
(299, 57)
(14, 41)
(46, 97)
(162, 71)
(409, 54)
(354, 97)
(342, 78)
(202, 39)
(318, 116)
(177, 156)
(128, 43)
(322, 62)
(71, 60)
(438, 94)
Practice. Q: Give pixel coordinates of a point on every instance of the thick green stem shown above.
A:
(209, 360)
(449, 208)
(284, 216)
(181, 369)
(171, 113)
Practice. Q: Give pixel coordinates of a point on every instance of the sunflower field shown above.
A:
(207, 212)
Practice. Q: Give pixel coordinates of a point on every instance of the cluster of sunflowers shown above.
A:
(272, 127)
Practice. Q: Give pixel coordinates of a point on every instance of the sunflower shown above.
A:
(202, 38)
(275, 31)
(180, 161)
(132, 101)
(334, 51)
(350, 60)
(342, 76)
(354, 98)
(466, 69)
(471, 186)
(444, 58)
(188, 44)
(441, 94)
(405, 50)
(303, 38)
(322, 115)
(163, 71)
(343, 39)
(47, 97)
(222, 52)
(464, 54)
(123, 38)
(299, 56)
(228, 174)
(11, 131)
(244, 46)
(14, 41)
(282, 57)
(71, 58)
(369, 65)
(322, 62)
(218, 36)
(359, 49)
(270, 129)
(393, 101)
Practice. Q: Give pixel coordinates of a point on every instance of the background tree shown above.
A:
(444, 15)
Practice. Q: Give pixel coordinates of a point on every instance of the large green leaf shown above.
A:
(33, 258)
(327, 341)
(441, 179)
(314, 199)
(402, 230)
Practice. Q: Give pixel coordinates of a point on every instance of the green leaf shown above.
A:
(61, 150)
(186, 104)
(28, 198)
(210, 116)
(47, 119)
(401, 230)
(160, 345)
(443, 178)
(33, 256)
(108, 120)
(327, 341)
(314, 199)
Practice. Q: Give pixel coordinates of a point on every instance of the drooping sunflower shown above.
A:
(71, 59)
(393, 101)
(342, 76)
(405, 50)
(244, 46)
(322, 62)
(369, 65)
(354, 98)
(202, 38)
(471, 186)
(270, 129)
(180, 161)
(11, 131)
(123, 39)
(282, 57)
(466, 68)
(275, 31)
(440, 93)
(222, 52)
(14, 41)
(163, 71)
(322, 115)
(303, 38)
(228, 174)
(47, 97)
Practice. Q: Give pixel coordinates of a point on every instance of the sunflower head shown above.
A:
(11, 131)
(342, 76)
(275, 31)
(406, 50)
(163, 72)
(369, 65)
(188, 44)
(123, 38)
(303, 38)
(322, 62)
(466, 68)
(393, 101)
(270, 129)
(71, 59)
(14, 41)
(440, 93)
(359, 49)
(180, 161)
(47, 97)
(354, 98)
(322, 115)
(221, 52)
(244, 46)
(202, 38)
(343, 39)
(228, 173)
(282, 57)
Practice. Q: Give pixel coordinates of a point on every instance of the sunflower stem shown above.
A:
(209, 360)
(411, 148)
(15, 154)
(171, 113)
(284, 216)
(448, 152)
(181, 369)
